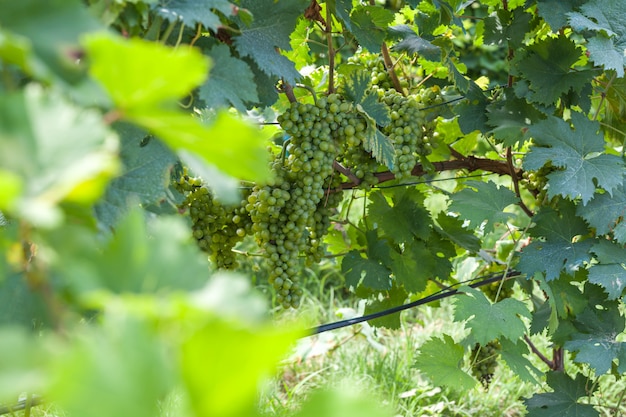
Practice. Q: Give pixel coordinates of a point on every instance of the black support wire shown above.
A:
(449, 292)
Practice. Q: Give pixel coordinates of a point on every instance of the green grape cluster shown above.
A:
(216, 228)
(537, 182)
(491, 290)
(288, 214)
(374, 65)
(485, 361)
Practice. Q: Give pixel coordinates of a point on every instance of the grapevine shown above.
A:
(485, 361)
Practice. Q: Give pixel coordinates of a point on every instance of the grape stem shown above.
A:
(509, 160)
(288, 90)
(346, 171)
(331, 51)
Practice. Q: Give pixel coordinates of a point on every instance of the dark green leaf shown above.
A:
(22, 305)
(596, 343)
(576, 152)
(555, 12)
(145, 176)
(412, 43)
(513, 353)
(473, 110)
(484, 204)
(230, 82)
(271, 28)
(414, 266)
(441, 359)
(487, 320)
(403, 221)
(192, 12)
(559, 251)
(511, 118)
(563, 402)
(452, 228)
(343, 8)
(547, 66)
(607, 17)
(369, 26)
(362, 271)
(392, 298)
(605, 212)
(610, 273)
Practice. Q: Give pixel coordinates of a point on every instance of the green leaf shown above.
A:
(369, 26)
(563, 402)
(511, 119)
(342, 9)
(485, 204)
(222, 379)
(377, 143)
(22, 305)
(272, 25)
(473, 110)
(403, 221)
(120, 369)
(414, 266)
(245, 157)
(54, 150)
(578, 152)
(452, 229)
(192, 12)
(144, 179)
(547, 66)
(559, 251)
(609, 19)
(605, 212)
(231, 81)
(165, 74)
(48, 36)
(440, 359)
(367, 272)
(596, 343)
(412, 43)
(358, 89)
(392, 298)
(487, 320)
(610, 273)
(509, 27)
(565, 297)
(513, 354)
(556, 12)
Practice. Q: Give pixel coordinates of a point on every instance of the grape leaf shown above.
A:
(369, 26)
(194, 11)
(145, 177)
(610, 272)
(452, 229)
(546, 64)
(121, 367)
(487, 320)
(55, 150)
(358, 90)
(391, 298)
(555, 12)
(363, 271)
(576, 152)
(507, 26)
(166, 74)
(607, 17)
(271, 28)
(565, 298)
(511, 118)
(563, 402)
(486, 203)
(559, 251)
(20, 304)
(342, 9)
(440, 359)
(414, 266)
(52, 41)
(412, 43)
(473, 110)
(403, 221)
(377, 143)
(513, 354)
(605, 212)
(230, 81)
(596, 341)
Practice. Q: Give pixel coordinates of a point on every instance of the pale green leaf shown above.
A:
(342, 402)
(245, 156)
(54, 151)
(142, 74)
(440, 359)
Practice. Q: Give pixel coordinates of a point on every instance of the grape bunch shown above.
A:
(216, 228)
(290, 214)
(491, 290)
(485, 361)
(537, 182)
(374, 65)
